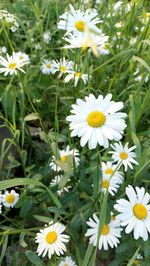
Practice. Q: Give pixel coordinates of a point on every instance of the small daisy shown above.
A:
(97, 120)
(3, 50)
(23, 58)
(63, 158)
(47, 36)
(123, 155)
(135, 212)
(62, 66)
(51, 240)
(56, 181)
(67, 262)
(9, 199)
(109, 234)
(76, 76)
(11, 64)
(47, 67)
(77, 21)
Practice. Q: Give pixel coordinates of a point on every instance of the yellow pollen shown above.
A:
(48, 65)
(80, 25)
(12, 65)
(140, 211)
(123, 155)
(105, 229)
(77, 74)
(105, 184)
(63, 69)
(109, 171)
(63, 158)
(96, 119)
(10, 198)
(51, 237)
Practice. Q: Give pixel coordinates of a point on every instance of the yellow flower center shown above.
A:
(123, 155)
(10, 198)
(140, 211)
(105, 184)
(51, 237)
(48, 65)
(63, 158)
(77, 74)
(109, 171)
(96, 119)
(12, 65)
(105, 229)
(66, 264)
(63, 69)
(80, 25)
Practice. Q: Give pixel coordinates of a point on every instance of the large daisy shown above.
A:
(123, 155)
(97, 120)
(77, 21)
(51, 240)
(109, 234)
(135, 212)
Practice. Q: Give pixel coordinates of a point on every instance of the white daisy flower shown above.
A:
(67, 262)
(23, 58)
(3, 50)
(109, 184)
(77, 21)
(97, 120)
(109, 169)
(109, 235)
(135, 212)
(51, 240)
(47, 36)
(11, 64)
(47, 67)
(123, 155)
(55, 181)
(62, 66)
(76, 76)
(9, 199)
(63, 158)
(9, 20)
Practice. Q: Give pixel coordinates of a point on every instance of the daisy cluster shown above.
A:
(8, 20)
(8, 199)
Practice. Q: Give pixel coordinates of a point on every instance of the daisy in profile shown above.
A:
(63, 154)
(47, 67)
(110, 233)
(76, 76)
(55, 181)
(67, 262)
(51, 240)
(123, 155)
(62, 66)
(11, 64)
(135, 212)
(9, 199)
(97, 121)
(76, 21)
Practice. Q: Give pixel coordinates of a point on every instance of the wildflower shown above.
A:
(96, 120)
(47, 67)
(110, 181)
(11, 64)
(8, 20)
(77, 21)
(22, 57)
(76, 76)
(135, 212)
(63, 154)
(67, 262)
(109, 234)
(56, 181)
(47, 36)
(123, 155)
(51, 240)
(3, 50)
(62, 66)
(9, 199)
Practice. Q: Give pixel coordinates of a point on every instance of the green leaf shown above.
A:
(32, 257)
(142, 62)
